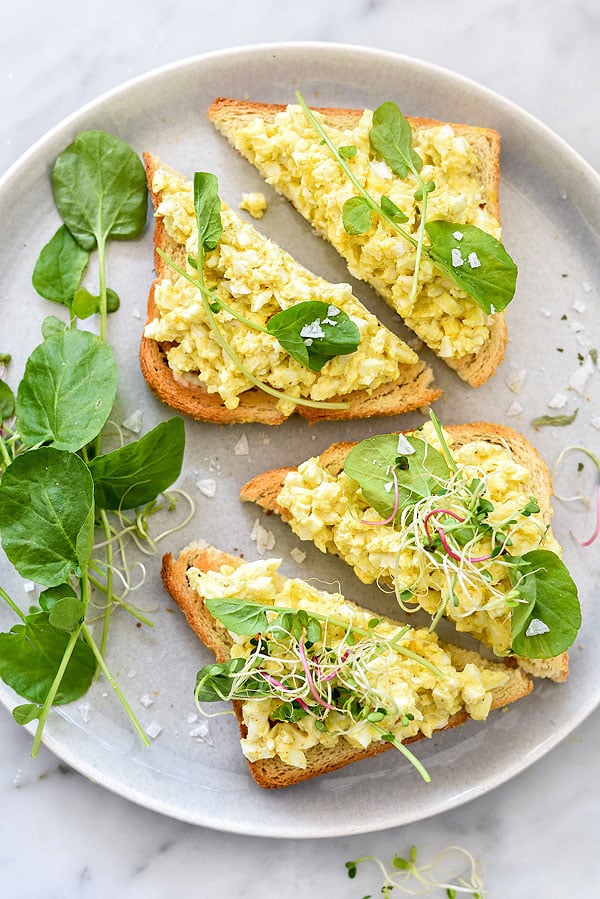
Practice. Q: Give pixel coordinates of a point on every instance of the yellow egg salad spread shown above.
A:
(257, 279)
(335, 674)
(291, 157)
(449, 552)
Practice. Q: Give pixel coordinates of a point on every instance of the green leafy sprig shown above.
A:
(57, 485)
(476, 262)
(312, 332)
(425, 496)
(312, 677)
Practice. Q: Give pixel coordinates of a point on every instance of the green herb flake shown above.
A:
(555, 421)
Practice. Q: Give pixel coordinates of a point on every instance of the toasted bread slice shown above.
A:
(273, 772)
(265, 490)
(377, 263)
(411, 387)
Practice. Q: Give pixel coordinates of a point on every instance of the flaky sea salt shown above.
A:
(264, 539)
(85, 711)
(558, 401)
(153, 730)
(146, 701)
(297, 555)
(514, 409)
(580, 376)
(241, 448)
(536, 627)
(515, 379)
(207, 487)
(133, 422)
(201, 733)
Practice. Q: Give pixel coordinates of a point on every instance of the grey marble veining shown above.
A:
(62, 837)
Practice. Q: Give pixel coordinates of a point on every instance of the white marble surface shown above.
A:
(61, 836)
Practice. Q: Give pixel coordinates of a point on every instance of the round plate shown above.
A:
(550, 202)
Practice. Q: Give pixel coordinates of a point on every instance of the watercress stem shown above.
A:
(109, 580)
(420, 235)
(53, 691)
(121, 697)
(350, 174)
(297, 400)
(102, 280)
(12, 604)
(4, 452)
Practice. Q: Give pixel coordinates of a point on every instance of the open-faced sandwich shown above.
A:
(457, 520)
(410, 204)
(239, 331)
(316, 681)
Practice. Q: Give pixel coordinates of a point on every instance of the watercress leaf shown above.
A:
(52, 325)
(547, 622)
(60, 267)
(137, 472)
(392, 211)
(288, 711)
(7, 401)
(24, 714)
(84, 303)
(370, 464)
(48, 598)
(314, 332)
(239, 616)
(313, 630)
(100, 189)
(391, 137)
(348, 151)
(31, 654)
(6, 357)
(112, 300)
(214, 682)
(47, 514)
(67, 391)
(356, 215)
(67, 614)
(208, 209)
(479, 265)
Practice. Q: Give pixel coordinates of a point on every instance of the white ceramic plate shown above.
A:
(550, 205)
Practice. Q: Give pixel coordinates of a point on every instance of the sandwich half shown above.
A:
(461, 161)
(458, 521)
(316, 681)
(210, 372)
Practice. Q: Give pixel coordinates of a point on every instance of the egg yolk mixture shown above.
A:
(327, 508)
(418, 700)
(291, 157)
(258, 279)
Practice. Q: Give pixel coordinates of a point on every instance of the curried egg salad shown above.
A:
(293, 160)
(257, 279)
(471, 587)
(336, 673)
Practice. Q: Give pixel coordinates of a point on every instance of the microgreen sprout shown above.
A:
(453, 869)
(461, 548)
(596, 460)
(315, 666)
